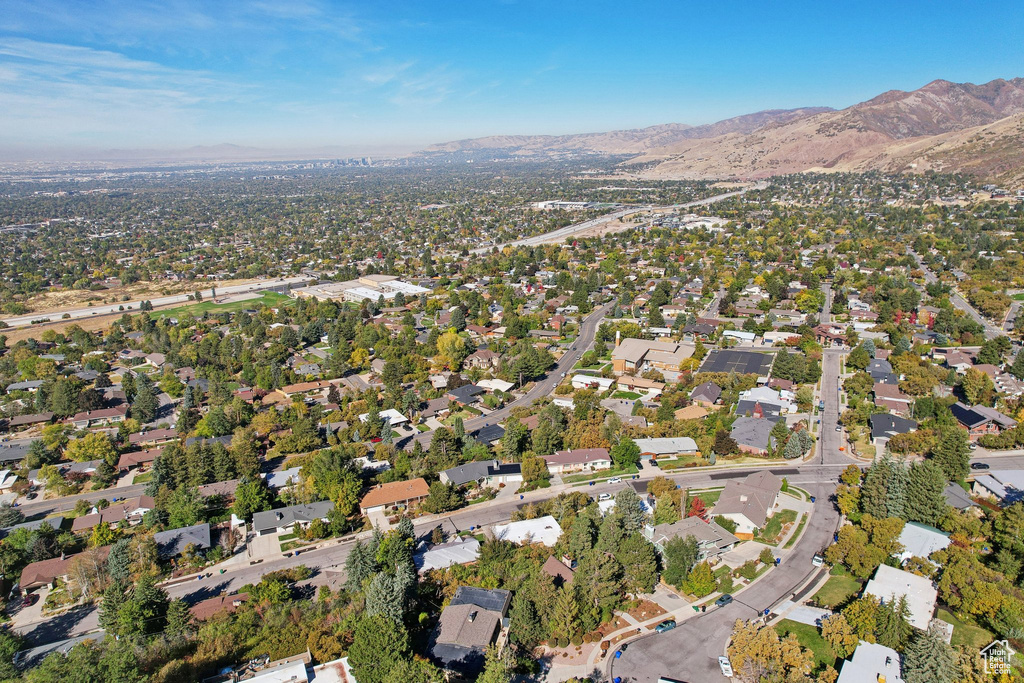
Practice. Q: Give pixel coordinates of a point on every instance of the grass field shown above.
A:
(970, 635)
(628, 395)
(839, 588)
(809, 638)
(709, 497)
(796, 534)
(197, 310)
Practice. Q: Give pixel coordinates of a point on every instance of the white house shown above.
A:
(890, 583)
(592, 382)
(666, 447)
(541, 530)
(873, 663)
(393, 416)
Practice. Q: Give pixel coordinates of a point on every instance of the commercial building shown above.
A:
(367, 287)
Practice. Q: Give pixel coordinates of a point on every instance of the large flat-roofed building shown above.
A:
(371, 287)
(635, 355)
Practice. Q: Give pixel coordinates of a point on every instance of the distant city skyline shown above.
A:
(305, 74)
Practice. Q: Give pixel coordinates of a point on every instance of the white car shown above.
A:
(615, 480)
(605, 496)
(726, 666)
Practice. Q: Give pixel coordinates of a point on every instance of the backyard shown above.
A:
(964, 633)
(839, 588)
(810, 638)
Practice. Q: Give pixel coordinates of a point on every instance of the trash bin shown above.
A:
(812, 498)
(618, 653)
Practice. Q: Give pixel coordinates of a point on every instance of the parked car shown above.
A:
(839, 428)
(979, 466)
(667, 625)
(615, 480)
(724, 600)
(726, 666)
(605, 496)
(29, 599)
(972, 446)
(818, 559)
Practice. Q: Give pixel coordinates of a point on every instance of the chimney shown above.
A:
(618, 338)
(472, 616)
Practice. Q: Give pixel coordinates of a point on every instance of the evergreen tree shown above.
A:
(525, 627)
(929, 659)
(1017, 369)
(378, 645)
(145, 405)
(874, 492)
(385, 597)
(896, 493)
(792, 449)
(925, 501)
(631, 509)
(952, 453)
(360, 565)
(565, 618)
(498, 665)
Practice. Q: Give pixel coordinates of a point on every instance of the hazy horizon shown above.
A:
(309, 75)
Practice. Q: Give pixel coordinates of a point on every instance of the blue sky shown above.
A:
(306, 73)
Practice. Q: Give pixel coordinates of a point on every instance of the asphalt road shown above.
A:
(544, 387)
(991, 331)
(106, 309)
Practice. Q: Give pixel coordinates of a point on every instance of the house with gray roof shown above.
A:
(712, 539)
(749, 502)
(957, 498)
(286, 519)
(485, 472)
(173, 543)
(753, 434)
(884, 426)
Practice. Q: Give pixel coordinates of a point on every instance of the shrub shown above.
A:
(749, 570)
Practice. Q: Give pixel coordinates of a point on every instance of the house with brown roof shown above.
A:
(137, 458)
(131, 510)
(691, 412)
(152, 437)
(88, 418)
(29, 420)
(561, 572)
(46, 572)
(204, 609)
(304, 388)
(578, 459)
(890, 397)
(224, 489)
(468, 625)
(408, 493)
(749, 502)
(483, 359)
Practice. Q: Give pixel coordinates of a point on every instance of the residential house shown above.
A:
(152, 437)
(138, 458)
(131, 511)
(921, 540)
(639, 384)
(46, 572)
(957, 498)
(544, 530)
(31, 386)
(890, 584)
(1004, 486)
(706, 394)
(222, 489)
(579, 459)
(29, 420)
(959, 361)
(666, 447)
(472, 621)
(871, 663)
(691, 412)
(772, 402)
(288, 519)
(712, 539)
(891, 398)
(633, 356)
(493, 385)
(483, 359)
(749, 502)
(174, 542)
(600, 384)
(561, 572)
(88, 418)
(407, 493)
(980, 420)
(753, 434)
(484, 472)
(457, 551)
(465, 395)
(885, 426)
(204, 609)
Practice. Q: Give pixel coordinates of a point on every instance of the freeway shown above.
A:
(991, 331)
(106, 309)
(569, 230)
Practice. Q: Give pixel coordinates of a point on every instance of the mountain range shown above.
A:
(942, 126)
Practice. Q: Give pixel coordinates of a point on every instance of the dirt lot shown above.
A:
(55, 301)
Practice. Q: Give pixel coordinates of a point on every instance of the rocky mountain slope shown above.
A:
(941, 126)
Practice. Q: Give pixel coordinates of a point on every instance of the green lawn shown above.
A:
(142, 478)
(628, 395)
(809, 638)
(970, 635)
(839, 588)
(709, 497)
(684, 461)
(601, 474)
(796, 534)
(773, 527)
(197, 310)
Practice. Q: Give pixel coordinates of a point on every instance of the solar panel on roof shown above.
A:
(741, 362)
